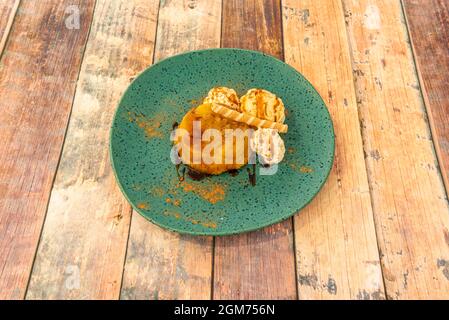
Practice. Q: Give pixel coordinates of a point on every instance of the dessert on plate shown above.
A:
(208, 119)
(225, 132)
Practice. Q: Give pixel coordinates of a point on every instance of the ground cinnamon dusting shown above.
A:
(177, 215)
(210, 224)
(305, 169)
(301, 169)
(212, 194)
(143, 205)
(149, 125)
(175, 202)
(195, 102)
(157, 191)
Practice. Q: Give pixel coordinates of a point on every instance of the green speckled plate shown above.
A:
(218, 205)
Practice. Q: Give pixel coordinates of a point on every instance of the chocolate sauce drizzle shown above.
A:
(252, 175)
(182, 175)
(196, 175)
(233, 172)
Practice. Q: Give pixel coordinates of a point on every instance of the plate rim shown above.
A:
(217, 233)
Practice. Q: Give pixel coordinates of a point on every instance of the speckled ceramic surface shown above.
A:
(218, 205)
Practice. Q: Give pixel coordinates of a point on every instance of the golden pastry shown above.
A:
(210, 120)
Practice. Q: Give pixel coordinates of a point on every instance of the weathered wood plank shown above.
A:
(254, 25)
(428, 23)
(39, 68)
(83, 244)
(336, 251)
(256, 265)
(8, 9)
(162, 264)
(409, 201)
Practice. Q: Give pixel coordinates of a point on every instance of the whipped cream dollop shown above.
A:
(268, 144)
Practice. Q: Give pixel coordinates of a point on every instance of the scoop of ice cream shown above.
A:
(263, 105)
(268, 144)
(223, 95)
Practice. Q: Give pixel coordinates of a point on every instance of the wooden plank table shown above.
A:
(379, 229)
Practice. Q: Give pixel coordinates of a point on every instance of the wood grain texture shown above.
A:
(83, 244)
(336, 250)
(260, 264)
(161, 264)
(38, 71)
(253, 25)
(8, 9)
(409, 200)
(428, 23)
